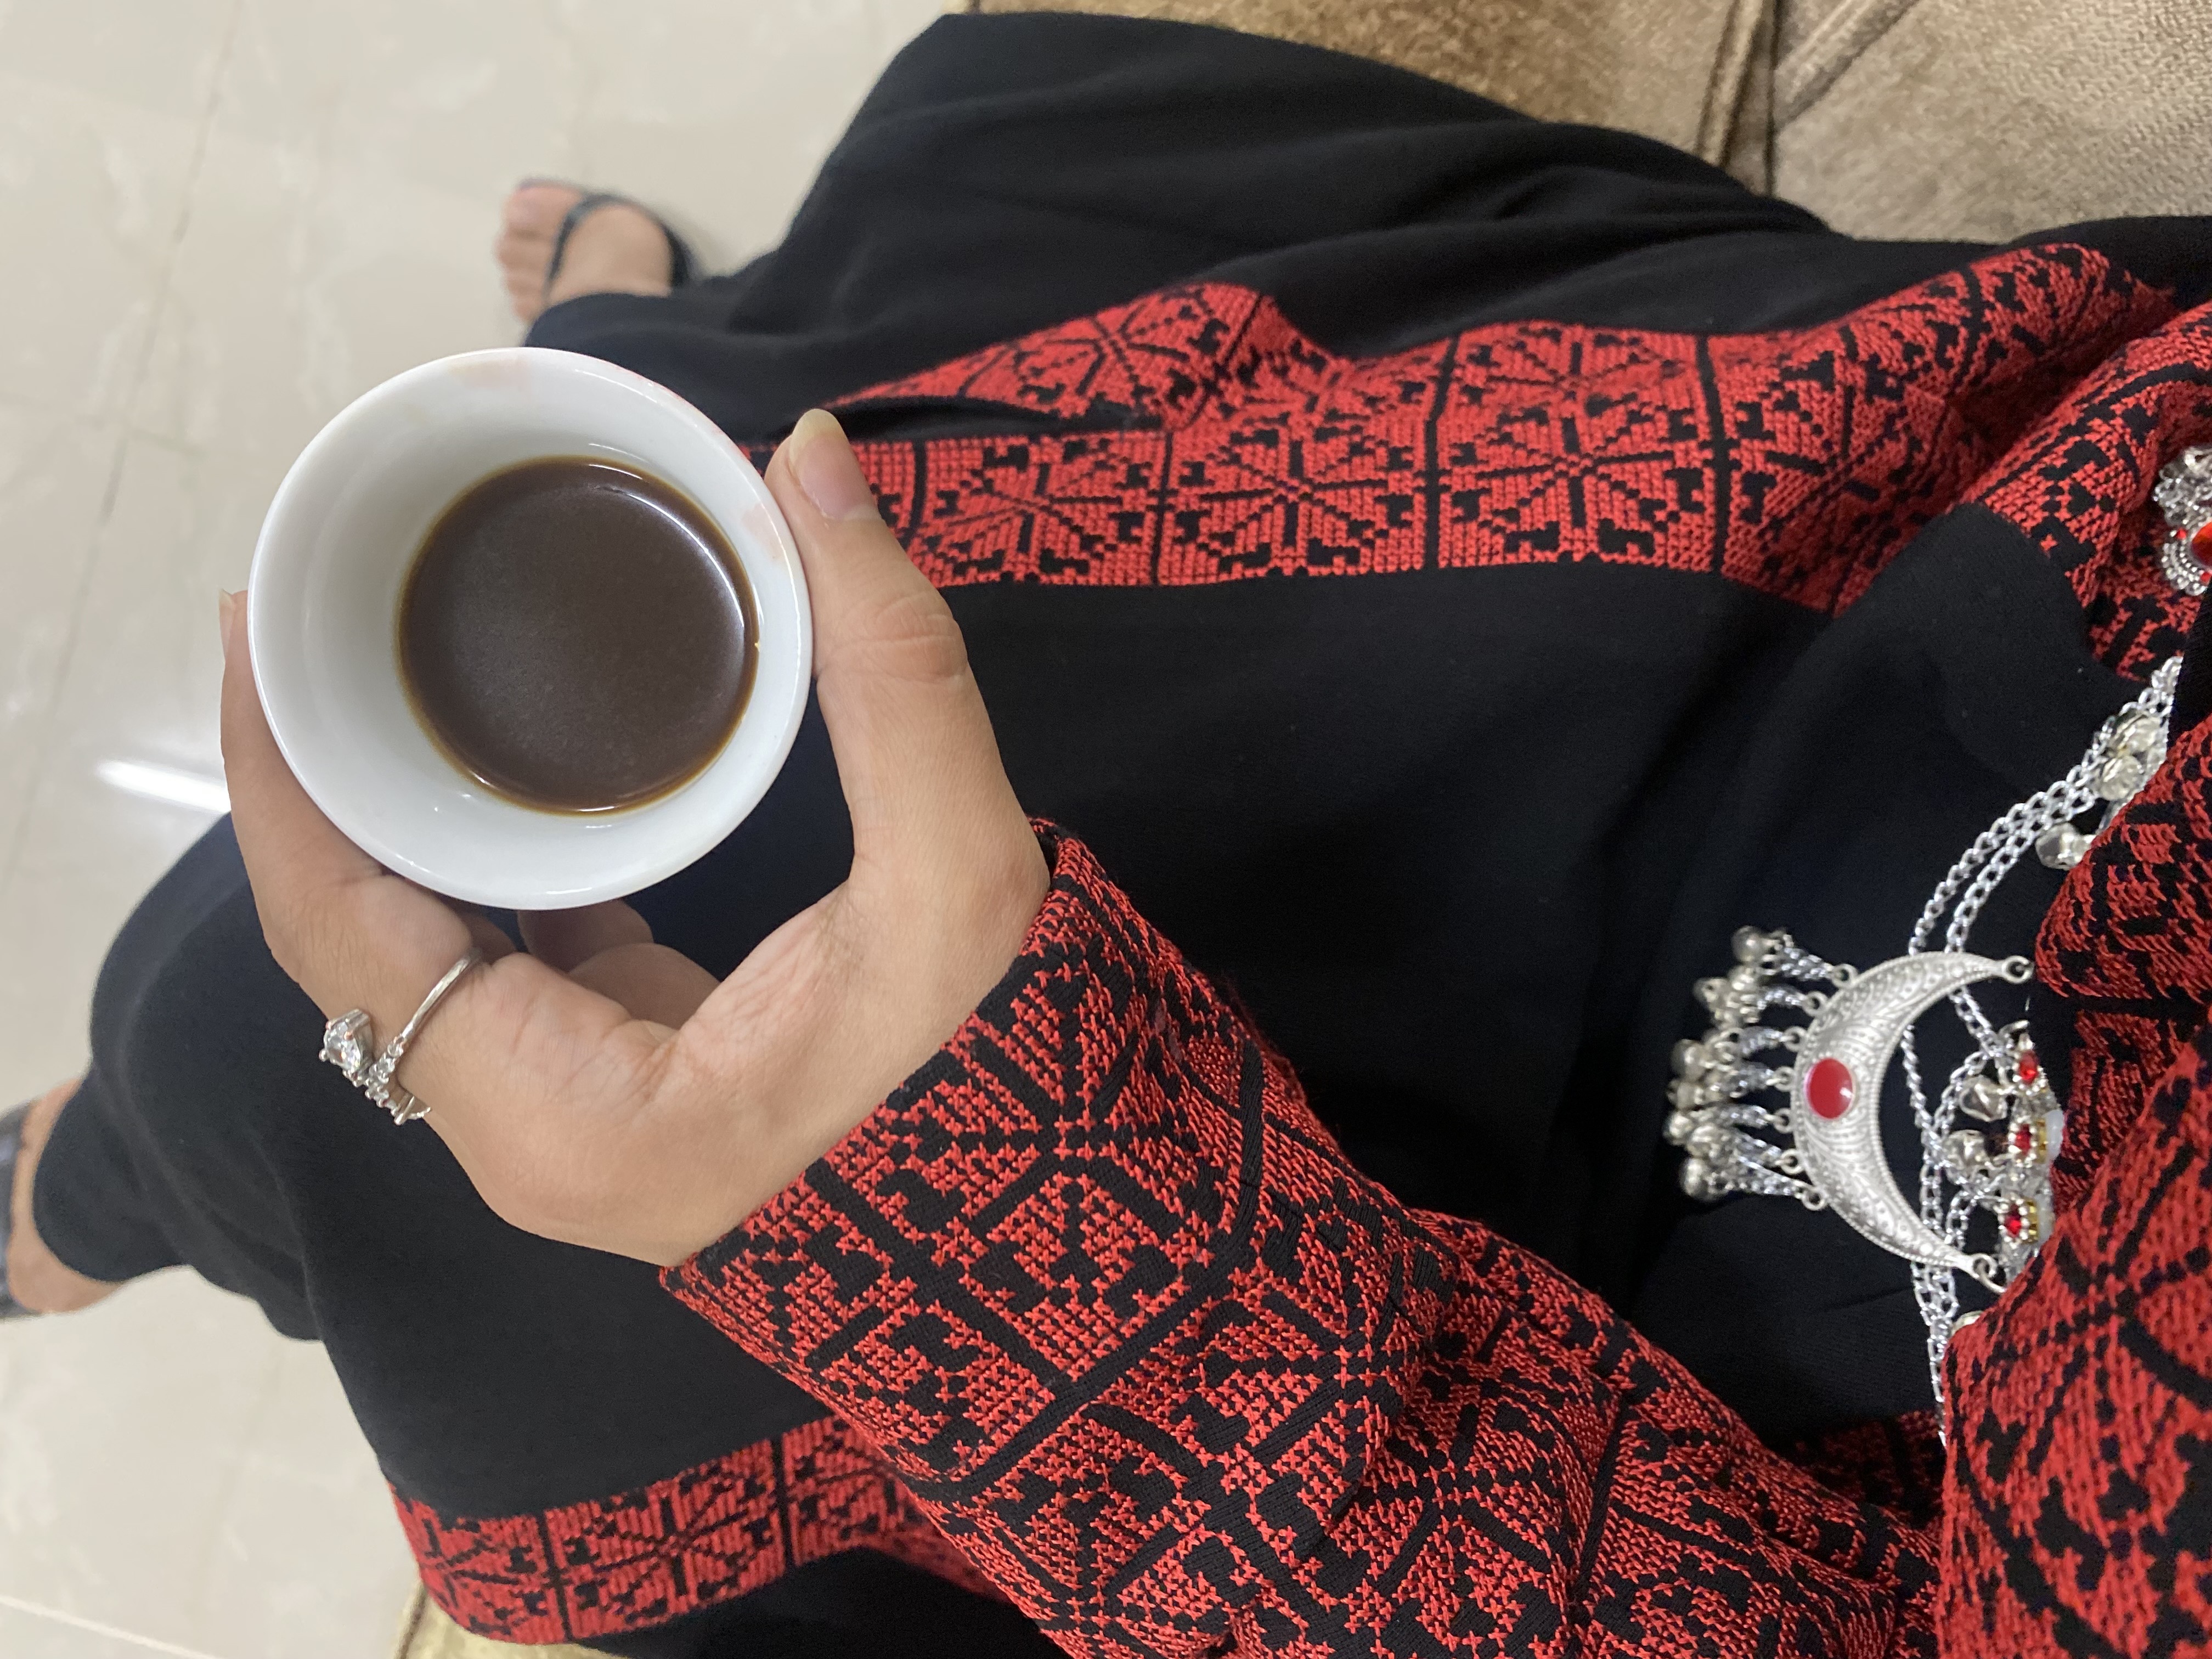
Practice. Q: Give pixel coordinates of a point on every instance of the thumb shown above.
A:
(916, 755)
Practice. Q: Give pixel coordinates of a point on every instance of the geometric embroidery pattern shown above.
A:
(645, 1556)
(2079, 487)
(1174, 1376)
(2078, 1515)
(1209, 442)
(2126, 949)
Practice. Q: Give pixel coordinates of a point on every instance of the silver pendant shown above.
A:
(2184, 494)
(1824, 1148)
(1835, 1096)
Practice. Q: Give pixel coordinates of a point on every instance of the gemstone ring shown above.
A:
(348, 1042)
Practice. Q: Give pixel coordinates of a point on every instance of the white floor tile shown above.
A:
(28, 1633)
(458, 99)
(303, 280)
(158, 56)
(309, 1555)
(92, 192)
(719, 114)
(171, 1468)
(144, 678)
(140, 685)
(55, 470)
(245, 213)
(89, 853)
(102, 107)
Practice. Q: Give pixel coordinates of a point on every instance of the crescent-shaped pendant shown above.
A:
(1836, 1096)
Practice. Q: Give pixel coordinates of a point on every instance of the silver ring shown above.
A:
(348, 1041)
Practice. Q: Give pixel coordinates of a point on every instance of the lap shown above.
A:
(493, 1371)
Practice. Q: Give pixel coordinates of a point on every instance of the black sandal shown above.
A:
(682, 265)
(11, 1147)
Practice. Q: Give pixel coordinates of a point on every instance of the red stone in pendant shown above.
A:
(2014, 1223)
(2028, 1067)
(2023, 1139)
(2200, 544)
(1829, 1088)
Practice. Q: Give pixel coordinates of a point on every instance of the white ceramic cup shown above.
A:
(324, 598)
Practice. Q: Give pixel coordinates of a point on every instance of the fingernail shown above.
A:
(827, 469)
(226, 608)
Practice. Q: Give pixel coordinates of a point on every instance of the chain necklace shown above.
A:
(1765, 1104)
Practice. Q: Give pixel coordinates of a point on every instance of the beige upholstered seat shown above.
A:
(1689, 72)
(427, 1633)
(1987, 118)
(1978, 119)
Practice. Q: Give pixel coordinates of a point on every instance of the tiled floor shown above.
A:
(223, 219)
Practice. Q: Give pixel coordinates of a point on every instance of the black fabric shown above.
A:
(1460, 841)
(2192, 691)
(207, 1132)
(856, 1603)
(1012, 172)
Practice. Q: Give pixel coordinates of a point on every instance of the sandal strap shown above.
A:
(681, 264)
(11, 1147)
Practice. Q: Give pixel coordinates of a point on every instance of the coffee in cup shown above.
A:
(577, 635)
(510, 710)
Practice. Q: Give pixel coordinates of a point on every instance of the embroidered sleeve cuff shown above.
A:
(1057, 1217)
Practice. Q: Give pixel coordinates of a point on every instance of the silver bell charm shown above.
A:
(1965, 1152)
(1749, 945)
(2118, 778)
(1985, 1099)
(2061, 846)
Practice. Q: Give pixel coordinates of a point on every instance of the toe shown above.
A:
(538, 209)
(521, 256)
(525, 281)
(528, 222)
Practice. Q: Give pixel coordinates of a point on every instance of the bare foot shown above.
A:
(36, 1277)
(619, 249)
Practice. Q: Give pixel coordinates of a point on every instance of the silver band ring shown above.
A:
(348, 1041)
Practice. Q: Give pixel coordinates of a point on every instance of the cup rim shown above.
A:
(782, 702)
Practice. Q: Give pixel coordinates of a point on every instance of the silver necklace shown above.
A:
(1766, 1105)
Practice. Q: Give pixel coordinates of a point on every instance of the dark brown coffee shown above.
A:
(577, 636)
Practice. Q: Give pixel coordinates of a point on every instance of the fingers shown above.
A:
(348, 933)
(529, 1074)
(288, 845)
(484, 934)
(915, 753)
(608, 948)
(562, 938)
(946, 874)
(651, 982)
(353, 935)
